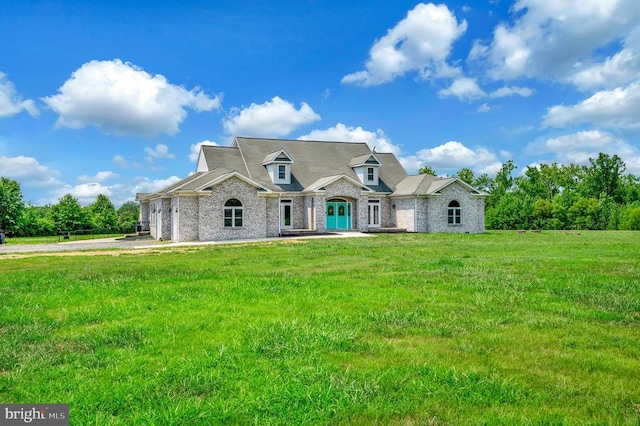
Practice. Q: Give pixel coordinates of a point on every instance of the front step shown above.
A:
(386, 230)
(298, 232)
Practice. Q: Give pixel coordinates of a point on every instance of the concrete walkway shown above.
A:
(133, 243)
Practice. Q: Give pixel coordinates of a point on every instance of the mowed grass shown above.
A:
(52, 239)
(499, 328)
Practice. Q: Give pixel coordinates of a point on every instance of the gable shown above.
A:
(313, 160)
(280, 156)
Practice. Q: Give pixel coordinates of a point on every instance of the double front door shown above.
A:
(338, 214)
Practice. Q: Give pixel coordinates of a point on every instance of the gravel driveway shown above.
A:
(96, 244)
(145, 242)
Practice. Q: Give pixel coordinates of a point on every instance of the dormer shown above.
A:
(366, 167)
(278, 166)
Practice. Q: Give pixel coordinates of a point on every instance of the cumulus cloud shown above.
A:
(160, 151)
(463, 88)
(618, 108)
(421, 42)
(195, 149)
(343, 133)
(502, 92)
(577, 148)
(484, 108)
(454, 155)
(620, 68)
(560, 39)
(99, 177)
(274, 118)
(123, 99)
(144, 184)
(11, 103)
(29, 172)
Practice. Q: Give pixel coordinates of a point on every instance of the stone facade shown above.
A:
(211, 212)
(472, 209)
(193, 209)
(405, 213)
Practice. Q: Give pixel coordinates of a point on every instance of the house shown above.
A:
(260, 188)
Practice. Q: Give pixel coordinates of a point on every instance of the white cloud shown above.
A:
(618, 108)
(578, 147)
(463, 88)
(123, 99)
(559, 39)
(342, 133)
(29, 172)
(421, 42)
(121, 161)
(484, 108)
(144, 184)
(454, 155)
(620, 68)
(159, 152)
(99, 177)
(273, 118)
(525, 92)
(195, 149)
(11, 102)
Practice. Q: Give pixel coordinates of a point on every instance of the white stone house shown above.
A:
(260, 188)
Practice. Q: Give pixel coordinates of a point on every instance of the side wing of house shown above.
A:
(425, 203)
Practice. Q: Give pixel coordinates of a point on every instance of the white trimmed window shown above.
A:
(454, 213)
(233, 214)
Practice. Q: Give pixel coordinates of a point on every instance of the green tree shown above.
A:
(466, 175)
(36, 221)
(511, 212)
(603, 179)
(502, 184)
(68, 214)
(103, 214)
(542, 214)
(630, 217)
(128, 216)
(427, 170)
(483, 183)
(584, 213)
(11, 204)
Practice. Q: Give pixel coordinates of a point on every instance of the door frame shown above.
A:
(374, 213)
(336, 204)
(284, 203)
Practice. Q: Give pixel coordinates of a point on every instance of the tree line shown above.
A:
(600, 195)
(26, 220)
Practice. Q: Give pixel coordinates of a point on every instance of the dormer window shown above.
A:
(371, 174)
(366, 167)
(278, 165)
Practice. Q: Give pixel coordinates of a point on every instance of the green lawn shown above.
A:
(499, 328)
(52, 239)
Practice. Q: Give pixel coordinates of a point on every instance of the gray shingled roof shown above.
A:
(224, 157)
(313, 160)
(424, 184)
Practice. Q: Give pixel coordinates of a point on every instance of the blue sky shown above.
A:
(116, 97)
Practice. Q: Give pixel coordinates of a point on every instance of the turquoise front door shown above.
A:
(338, 215)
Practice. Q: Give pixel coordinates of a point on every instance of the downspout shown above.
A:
(178, 219)
(415, 214)
(279, 213)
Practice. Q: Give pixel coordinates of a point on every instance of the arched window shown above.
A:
(232, 213)
(454, 213)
